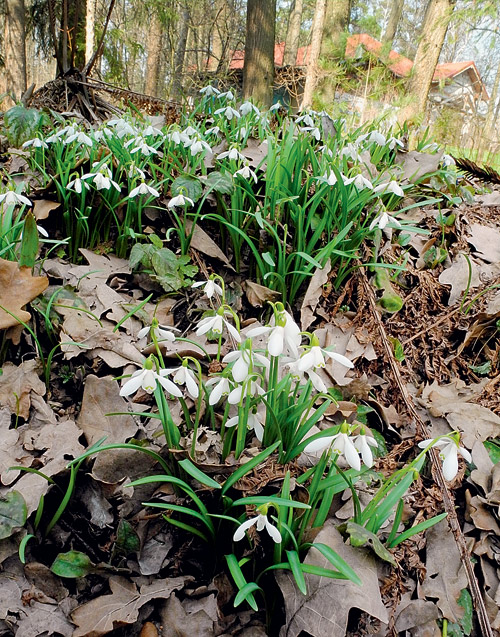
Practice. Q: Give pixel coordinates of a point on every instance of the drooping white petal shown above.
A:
(350, 453)
(273, 532)
(240, 531)
(450, 462)
(133, 384)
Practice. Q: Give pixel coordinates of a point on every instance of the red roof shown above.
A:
(397, 63)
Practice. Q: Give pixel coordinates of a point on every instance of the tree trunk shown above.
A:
(437, 17)
(153, 49)
(258, 68)
(89, 29)
(316, 37)
(337, 16)
(293, 33)
(13, 75)
(490, 130)
(392, 24)
(180, 53)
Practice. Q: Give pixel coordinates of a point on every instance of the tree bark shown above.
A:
(392, 24)
(437, 17)
(337, 15)
(13, 75)
(258, 68)
(153, 49)
(180, 53)
(316, 38)
(293, 33)
(89, 29)
(490, 131)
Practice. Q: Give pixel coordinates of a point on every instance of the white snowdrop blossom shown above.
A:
(102, 178)
(12, 198)
(80, 138)
(215, 130)
(329, 178)
(248, 107)
(246, 389)
(351, 152)
(147, 378)
(209, 287)
(261, 522)
(255, 422)
(382, 220)
(361, 182)
(222, 387)
(305, 119)
(217, 323)
(182, 375)
(312, 130)
(190, 131)
(122, 127)
(209, 90)
(233, 154)
(160, 332)
(198, 146)
(77, 185)
(362, 443)
(377, 138)
(143, 189)
(140, 145)
(244, 361)
(36, 142)
(228, 95)
(283, 332)
(391, 186)
(246, 172)
(178, 137)
(446, 160)
(229, 112)
(152, 131)
(341, 444)
(180, 200)
(392, 142)
(449, 448)
(314, 357)
(275, 107)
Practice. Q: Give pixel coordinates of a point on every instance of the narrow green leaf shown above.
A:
(22, 547)
(246, 593)
(271, 499)
(248, 466)
(296, 568)
(422, 526)
(197, 474)
(335, 560)
(29, 242)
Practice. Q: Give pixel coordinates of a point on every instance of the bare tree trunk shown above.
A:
(316, 37)
(258, 68)
(437, 17)
(337, 15)
(180, 53)
(153, 48)
(89, 29)
(293, 33)
(392, 24)
(13, 76)
(490, 131)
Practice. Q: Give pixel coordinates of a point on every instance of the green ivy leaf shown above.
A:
(13, 513)
(188, 187)
(220, 182)
(127, 540)
(72, 564)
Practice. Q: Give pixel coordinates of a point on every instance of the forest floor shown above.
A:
(429, 368)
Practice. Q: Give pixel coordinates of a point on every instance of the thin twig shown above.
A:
(437, 470)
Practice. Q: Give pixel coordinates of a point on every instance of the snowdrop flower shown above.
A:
(134, 170)
(184, 376)
(449, 448)
(246, 172)
(190, 131)
(36, 142)
(361, 182)
(382, 220)
(210, 287)
(341, 444)
(143, 189)
(228, 112)
(261, 522)
(326, 151)
(215, 130)
(275, 107)
(282, 332)
(351, 152)
(147, 378)
(152, 131)
(198, 146)
(160, 333)
(362, 443)
(377, 138)
(328, 178)
(248, 107)
(446, 160)
(391, 186)
(141, 145)
(12, 198)
(222, 387)
(249, 387)
(306, 119)
(80, 138)
(180, 200)
(231, 154)
(392, 142)
(312, 130)
(122, 128)
(178, 137)
(102, 178)
(217, 323)
(228, 95)
(209, 90)
(314, 357)
(255, 422)
(244, 361)
(78, 185)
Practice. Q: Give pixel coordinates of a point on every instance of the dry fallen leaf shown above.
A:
(324, 611)
(258, 294)
(457, 275)
(445, 576)
(313, 295)
(17, 288)
(203, 243)
(486, 240)
(416, 165)
(179, 623)
(17, 383)
(43, 207)
(108, 612)
(100, 397)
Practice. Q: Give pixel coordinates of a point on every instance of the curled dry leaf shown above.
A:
(17, 383)
(313, 295)
(258, 295)
(17, 288)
